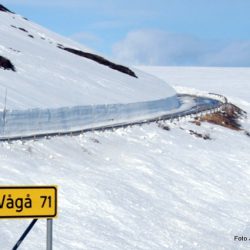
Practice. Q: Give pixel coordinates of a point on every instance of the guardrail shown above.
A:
(201, 111)
(219, 97)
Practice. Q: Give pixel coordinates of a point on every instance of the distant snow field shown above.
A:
(231, 82)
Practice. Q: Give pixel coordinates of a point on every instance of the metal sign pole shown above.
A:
(25, 234)
(49, 234)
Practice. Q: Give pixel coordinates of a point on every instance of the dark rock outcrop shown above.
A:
(6, 64)
(22, 29)
(100, 60)
(229, 117)
(4, 9)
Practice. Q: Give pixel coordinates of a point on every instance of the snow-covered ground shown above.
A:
(49, 77)
(142, 188)
(53, 90)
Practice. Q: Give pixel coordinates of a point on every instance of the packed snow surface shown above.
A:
(141, 188)
(47, 76)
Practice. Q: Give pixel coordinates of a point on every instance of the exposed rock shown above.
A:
(164, 127)
(198, 135)
(6, 64)
(100, 60)
(22, 29)
(4, 9)
(247, 133)
(228, 117)
(15, 50)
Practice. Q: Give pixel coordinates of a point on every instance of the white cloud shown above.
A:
(155, 47)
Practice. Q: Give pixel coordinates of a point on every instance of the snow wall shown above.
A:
(18, 123)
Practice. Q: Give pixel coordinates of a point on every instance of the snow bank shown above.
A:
(44, 121)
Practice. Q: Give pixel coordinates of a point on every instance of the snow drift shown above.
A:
(16, 123)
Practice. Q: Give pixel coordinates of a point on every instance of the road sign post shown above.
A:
(19, 202)
(49, 234)
(25, 234)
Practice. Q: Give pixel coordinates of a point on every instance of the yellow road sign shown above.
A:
(28, 202)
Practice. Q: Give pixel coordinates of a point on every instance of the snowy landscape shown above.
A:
(161, 185)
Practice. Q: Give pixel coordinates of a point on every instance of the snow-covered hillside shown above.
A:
(139, 188)
(49, 84)
(48, 76)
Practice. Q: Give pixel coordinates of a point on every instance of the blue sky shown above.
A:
(153, 32)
